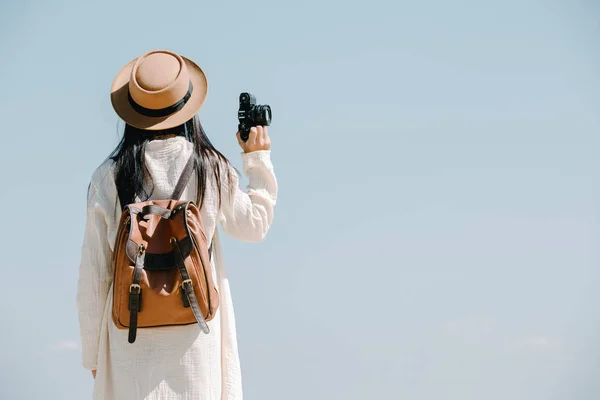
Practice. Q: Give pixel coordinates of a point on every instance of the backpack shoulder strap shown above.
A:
(184, 178)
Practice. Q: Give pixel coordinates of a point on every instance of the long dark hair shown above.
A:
(130, 169)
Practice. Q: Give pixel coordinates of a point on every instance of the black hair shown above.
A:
(130, 170)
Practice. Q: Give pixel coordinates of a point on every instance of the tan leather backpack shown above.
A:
(161, 263)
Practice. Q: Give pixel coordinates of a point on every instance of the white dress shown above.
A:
(175, 362)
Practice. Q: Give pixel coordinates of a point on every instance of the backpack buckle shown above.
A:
(135, 298)
(135, 288)
(186, 281)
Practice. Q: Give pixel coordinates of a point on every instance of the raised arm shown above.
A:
(248, 215)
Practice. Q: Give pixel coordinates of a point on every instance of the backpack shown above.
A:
(161, 264)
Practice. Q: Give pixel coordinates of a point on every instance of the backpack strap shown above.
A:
(135, 294)
(184, 178)
(187, 286)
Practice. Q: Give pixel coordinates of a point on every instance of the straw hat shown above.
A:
(158, 90)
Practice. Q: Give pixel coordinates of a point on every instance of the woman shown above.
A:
(158, 95)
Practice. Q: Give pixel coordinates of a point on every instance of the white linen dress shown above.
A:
(171, 363)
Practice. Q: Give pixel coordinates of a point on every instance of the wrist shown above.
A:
(256, 159)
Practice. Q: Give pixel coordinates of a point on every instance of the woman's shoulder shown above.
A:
(102, 189)
(103, 175)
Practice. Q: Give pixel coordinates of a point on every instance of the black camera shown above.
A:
(250, 114)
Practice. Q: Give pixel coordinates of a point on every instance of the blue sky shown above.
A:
(438, 211)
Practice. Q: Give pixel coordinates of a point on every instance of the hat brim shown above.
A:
(120, 100)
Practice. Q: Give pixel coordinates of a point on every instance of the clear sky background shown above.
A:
(436, 236)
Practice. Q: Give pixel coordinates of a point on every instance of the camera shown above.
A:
(250, 114)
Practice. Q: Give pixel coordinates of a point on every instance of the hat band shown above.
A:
(162, 112)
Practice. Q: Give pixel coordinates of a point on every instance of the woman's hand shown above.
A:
(257, 140)
(94, 373)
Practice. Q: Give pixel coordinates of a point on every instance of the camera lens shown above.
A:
(262, 115)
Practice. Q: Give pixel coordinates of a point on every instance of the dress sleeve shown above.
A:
(94, 278)
(247, 215)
